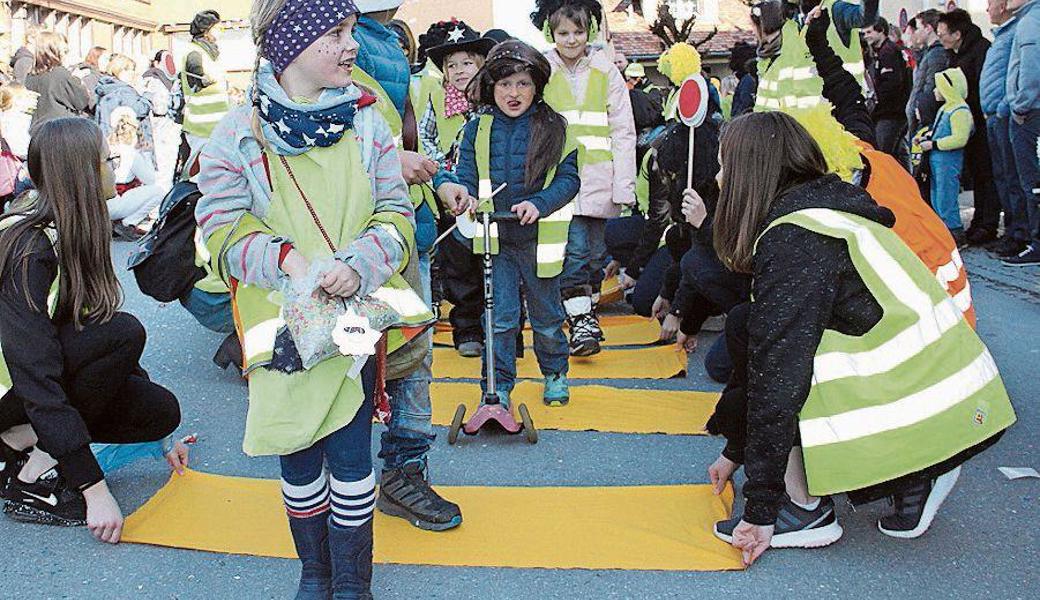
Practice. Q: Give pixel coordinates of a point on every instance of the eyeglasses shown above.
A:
(520, 86)
(112, 160)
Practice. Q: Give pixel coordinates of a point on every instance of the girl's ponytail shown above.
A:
(548, 136)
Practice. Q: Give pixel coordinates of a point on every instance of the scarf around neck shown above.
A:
(293, 128)
(455, 102)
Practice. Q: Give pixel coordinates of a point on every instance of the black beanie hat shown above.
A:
(203, 22)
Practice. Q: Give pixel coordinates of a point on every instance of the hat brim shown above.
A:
(480, 46)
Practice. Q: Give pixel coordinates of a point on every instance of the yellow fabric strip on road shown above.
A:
(656, 362)
(664, 528)
(641, 332)
(592, 408)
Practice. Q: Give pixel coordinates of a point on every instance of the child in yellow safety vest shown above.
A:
(589, 91)
(886, 388)
(458, 52)
(523, 143)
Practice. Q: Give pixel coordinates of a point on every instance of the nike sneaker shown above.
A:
(11, 462)
(47, 500)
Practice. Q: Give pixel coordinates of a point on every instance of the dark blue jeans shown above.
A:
(212, 311)
(583, 263)
(512, 266)
(1023, 144)
(347, 452)
(1005, 178)
(622, 237)
(705, 277)
(410, 433)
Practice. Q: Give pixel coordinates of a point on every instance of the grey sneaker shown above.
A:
(795, 526)
(471, 349)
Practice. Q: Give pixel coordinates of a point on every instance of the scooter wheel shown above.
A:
(456, 424)
(529, 431)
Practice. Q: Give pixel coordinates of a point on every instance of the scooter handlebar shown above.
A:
(499, 216)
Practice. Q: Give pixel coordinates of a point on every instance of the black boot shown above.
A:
(351, 552)
(311, 537)
(229, 353)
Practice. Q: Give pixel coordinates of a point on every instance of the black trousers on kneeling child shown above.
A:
(103, 380)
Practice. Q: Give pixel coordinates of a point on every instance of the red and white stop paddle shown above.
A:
(692, 108)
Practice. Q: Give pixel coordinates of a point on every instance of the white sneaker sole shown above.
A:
(942, 488)
(811, 538)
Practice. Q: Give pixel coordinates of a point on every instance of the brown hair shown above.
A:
(94, 55)
(125, 131)
(119, 63)
(65, 166)
(261, 18)
(548, 128)
(763, 156)
(50, 50)
(575, 14)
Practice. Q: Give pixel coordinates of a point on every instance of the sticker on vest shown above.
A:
(354, 334)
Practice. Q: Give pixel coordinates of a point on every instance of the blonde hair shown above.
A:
(478, 58)
(9, 92)
(119, 63)
(125, 132)
(50, 50)
(261, 17)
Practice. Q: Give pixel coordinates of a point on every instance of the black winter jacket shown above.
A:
(888, 71)
(969, 58)
(839, 86)
(37, 367)
(803, 283)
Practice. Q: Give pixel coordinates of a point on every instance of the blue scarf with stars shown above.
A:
(294, 128)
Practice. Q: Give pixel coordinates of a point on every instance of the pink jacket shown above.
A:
(605, 187)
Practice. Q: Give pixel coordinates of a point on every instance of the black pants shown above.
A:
(105, 383)
(977, 162)
(462, 284)
(730, 419)
(891, 139)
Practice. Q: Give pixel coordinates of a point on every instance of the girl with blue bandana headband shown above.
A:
(302, 191)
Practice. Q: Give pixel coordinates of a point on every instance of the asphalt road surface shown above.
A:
(983, 543)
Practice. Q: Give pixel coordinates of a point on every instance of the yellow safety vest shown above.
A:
(587, 122)
(205, 108)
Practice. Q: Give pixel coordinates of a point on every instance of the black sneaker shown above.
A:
(916, 507)
(978, 236)
(405, 493)
(11, 462)
(47, 500)
(1007, 247)
(1028, 257)
(795, 527)
(585, 332)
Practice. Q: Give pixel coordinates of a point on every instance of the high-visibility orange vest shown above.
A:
(919, 226)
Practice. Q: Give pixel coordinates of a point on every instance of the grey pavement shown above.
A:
(983, 543)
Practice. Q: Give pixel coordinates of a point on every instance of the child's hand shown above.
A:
(720, 472)
(527, 212)
(927, 145)
(669, 328)
(416, 168)
(341, 280)
(686, 343)
(693, 207)
(177, 457)
(455, 198)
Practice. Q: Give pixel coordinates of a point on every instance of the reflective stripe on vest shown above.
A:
(790, 80)
(915, 390)
(552, 228)
(205, 108)
(52, 300)
(852, 55)
(258, 311)
(588, 123)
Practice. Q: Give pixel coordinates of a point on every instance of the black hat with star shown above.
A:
(460, 37)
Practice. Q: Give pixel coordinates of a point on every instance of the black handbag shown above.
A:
(164, 260)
